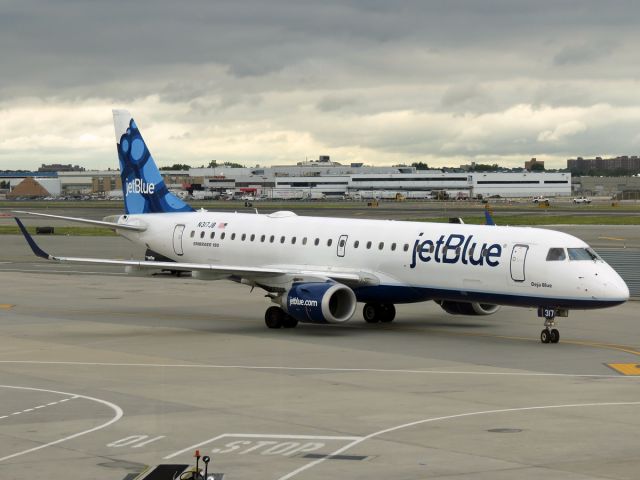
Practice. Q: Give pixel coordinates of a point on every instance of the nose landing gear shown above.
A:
(550, 334)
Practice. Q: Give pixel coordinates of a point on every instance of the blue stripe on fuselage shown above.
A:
(407, 294)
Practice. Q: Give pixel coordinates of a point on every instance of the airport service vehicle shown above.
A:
(582, 200)
(316, 270)
(540, 199)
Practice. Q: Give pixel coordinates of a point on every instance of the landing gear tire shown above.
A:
(379, 312)
(289, 322)
(274, 317)
(550, 334)
(545, 336)
(370, 313)
(388, 312)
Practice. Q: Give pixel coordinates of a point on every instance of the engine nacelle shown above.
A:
(467, 308)
(320, 302)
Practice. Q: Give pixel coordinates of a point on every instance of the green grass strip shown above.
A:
(533, 220)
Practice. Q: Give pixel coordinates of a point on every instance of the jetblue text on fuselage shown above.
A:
(137, 185)
(453, 249)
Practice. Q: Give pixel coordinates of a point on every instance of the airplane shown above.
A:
(316, 270)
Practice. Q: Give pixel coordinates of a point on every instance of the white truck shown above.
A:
(288, 194)
(582, 200)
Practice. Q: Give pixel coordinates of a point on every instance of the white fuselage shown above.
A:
(413, 261)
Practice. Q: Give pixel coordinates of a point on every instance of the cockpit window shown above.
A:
(582, 254)
(556, 254)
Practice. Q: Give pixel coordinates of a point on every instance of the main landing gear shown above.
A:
(379, 312)
(276, 317)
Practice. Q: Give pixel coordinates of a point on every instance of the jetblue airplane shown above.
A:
(316, 270)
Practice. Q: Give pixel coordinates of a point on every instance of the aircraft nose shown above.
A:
(615, 287)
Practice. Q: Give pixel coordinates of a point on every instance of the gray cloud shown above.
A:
(581, 54)
(377, 81)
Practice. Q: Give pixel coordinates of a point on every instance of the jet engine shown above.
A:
(466, 308)
(320, 302)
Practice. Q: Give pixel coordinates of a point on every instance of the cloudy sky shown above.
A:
(272, 81)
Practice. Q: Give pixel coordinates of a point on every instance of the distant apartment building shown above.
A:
(58, 167)
(534, 164)
(623, 165)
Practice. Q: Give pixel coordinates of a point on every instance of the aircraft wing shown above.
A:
(357, 278)
(100, 223)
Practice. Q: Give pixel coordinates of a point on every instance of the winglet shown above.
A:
(489, 218)
(34, 246)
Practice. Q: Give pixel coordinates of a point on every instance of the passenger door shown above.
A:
(177, 239)
(518, 259)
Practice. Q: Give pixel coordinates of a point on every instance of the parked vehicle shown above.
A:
(583, 200)
(540, 199)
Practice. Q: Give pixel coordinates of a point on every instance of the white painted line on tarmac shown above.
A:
(27, 410)
(118, 415)
(261, 435)
(319, 369)
(448, 417)
(46, 270)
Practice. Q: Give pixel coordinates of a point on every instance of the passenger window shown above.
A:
(356, 244)
(393, 247)
(253, 237)
(368, 245)
(316, 242)
(406, 247)
(380, 245)
(244, 235)
(272, 238)
(342, 242)
(304, 241)
(222, 235)
(213, 235)
(293, 240)
(329, 242)
(262, 237)
(282, 239)
(555, 254)
(193, 232)
(202, 234)
(233, 236)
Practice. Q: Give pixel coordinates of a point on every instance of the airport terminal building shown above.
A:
(386, 182)
(325, 181)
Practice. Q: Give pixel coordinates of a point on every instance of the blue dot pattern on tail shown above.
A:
(143, 186)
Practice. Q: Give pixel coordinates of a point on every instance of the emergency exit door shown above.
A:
(342, 245)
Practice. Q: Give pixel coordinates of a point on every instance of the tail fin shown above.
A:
(143, 187)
